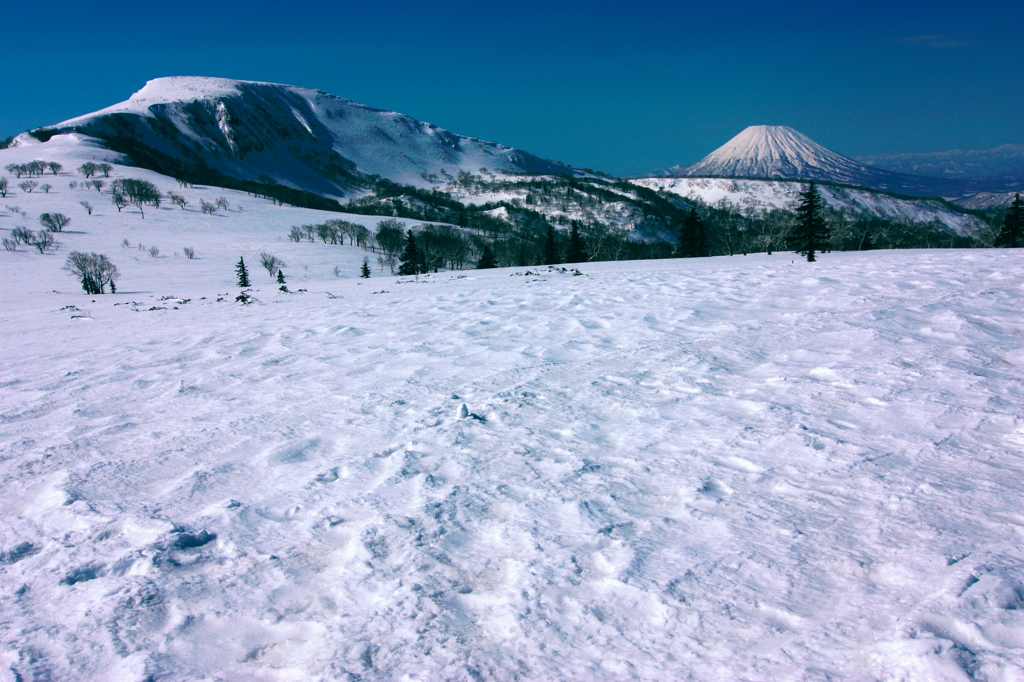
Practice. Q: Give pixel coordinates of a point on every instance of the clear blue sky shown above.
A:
(615, 86)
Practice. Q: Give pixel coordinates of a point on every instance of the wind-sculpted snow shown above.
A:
(745, 468)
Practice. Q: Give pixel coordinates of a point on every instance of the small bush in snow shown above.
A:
(206, 207)
(189, 252)
(178, 199)
(271, 263)
(73, 185)
(43, 241)
(10, 244)
(22, 235)
(154, 251)
(54, 222)
(87, 206)
(222, 203)
(125, 244)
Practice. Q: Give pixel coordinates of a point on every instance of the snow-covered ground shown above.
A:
(746, 468)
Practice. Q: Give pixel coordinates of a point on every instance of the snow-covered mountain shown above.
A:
(780, 152)
(307, 139)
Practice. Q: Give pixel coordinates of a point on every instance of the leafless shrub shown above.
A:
(54, 222)
(43, 241)
(22, 235)
(178, 199)
(271, 263)
(28, 186)
(125, 244)
(189, 252)
(206, 207)
(10, 244)
(3, 187)
(46, 188)
(73, 185)
(87, 206)
(154, 251)
(222, 203)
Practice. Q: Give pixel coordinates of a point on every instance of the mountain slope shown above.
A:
(298, 137)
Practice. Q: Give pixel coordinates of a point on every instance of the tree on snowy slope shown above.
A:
(412, 260)
(551, 249)
(577, 251)
(486, 261)
(693, 238)
(1010, 236)
(810, 234)
(242, 272)
(93, 270)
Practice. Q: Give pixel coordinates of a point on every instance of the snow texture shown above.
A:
(747, 468)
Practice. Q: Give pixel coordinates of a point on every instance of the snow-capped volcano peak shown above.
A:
(778, 152)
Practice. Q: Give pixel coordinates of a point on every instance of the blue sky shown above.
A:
(615, 86)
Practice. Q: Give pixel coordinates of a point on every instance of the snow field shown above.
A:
(739, 468)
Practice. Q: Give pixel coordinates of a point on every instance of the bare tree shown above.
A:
(54, 222)
(222, 203)
(154, 252)
(119, 200)
(15, 169)
(271, 263)
(10, 244)
(206, 207)
(43, 241)
(137, 192)
(73, 185)
(93, 270)
(189, 252)
(104, 168)
(22, 235)
(87, 206)
(36, 167)
(88, 169)
(54, 167)
(125, 243)
(28, 186)
(178, 199)
(46, 188)
(3, 187)
(98, 184)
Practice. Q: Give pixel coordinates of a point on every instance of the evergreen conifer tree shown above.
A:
(551, 249)
(410, 258)
(486, 261)
(810, 234)
(1010, 236)
(692, 238)
(577, 252)
(364, 271)
(243, 274)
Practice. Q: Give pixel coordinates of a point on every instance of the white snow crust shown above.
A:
(746, 468)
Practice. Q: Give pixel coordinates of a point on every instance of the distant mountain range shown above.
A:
(781, 152)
